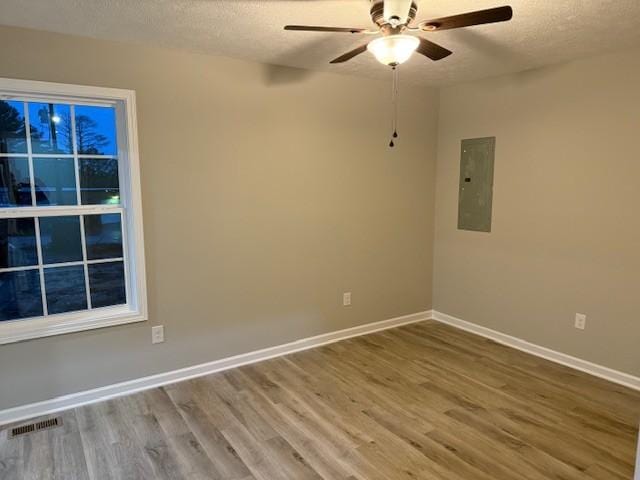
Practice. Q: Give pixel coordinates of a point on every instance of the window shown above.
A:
(71, 244)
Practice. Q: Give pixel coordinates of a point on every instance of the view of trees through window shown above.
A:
(51, 131)
(64, 155)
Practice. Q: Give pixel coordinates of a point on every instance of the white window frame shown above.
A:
(136, 309)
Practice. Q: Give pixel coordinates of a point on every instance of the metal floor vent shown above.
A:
(36, 427)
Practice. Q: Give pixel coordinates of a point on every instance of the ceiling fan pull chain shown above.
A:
(395, 93)
(396, 101)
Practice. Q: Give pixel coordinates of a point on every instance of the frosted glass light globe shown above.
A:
(393, 49)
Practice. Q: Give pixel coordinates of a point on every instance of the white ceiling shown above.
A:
(542, 31)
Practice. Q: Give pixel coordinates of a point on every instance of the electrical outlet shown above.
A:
(581, 321)
(346, 299)
(157, 334)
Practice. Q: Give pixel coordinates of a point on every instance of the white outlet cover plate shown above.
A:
(346, 299)
(157, 334)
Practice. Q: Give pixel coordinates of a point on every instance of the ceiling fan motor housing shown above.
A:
(378, 15)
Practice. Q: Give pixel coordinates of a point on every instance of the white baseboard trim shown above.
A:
(552, 355)
(73, 400)
(100, 394)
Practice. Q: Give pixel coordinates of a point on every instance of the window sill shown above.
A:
(12, 331)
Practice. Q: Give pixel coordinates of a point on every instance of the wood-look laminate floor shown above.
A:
(423, 401)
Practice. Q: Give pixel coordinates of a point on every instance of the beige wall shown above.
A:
(267, 193)
(566, 220)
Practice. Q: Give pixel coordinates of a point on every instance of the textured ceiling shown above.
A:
(542, 31)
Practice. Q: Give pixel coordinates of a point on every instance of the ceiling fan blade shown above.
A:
(492, 15)
(350, 55)
(432, 50)
(310, 28)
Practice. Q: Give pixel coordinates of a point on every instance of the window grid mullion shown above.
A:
(84, 262)
(76, 166)
(125, 257)
(62, 264)
(83, 238)
(36, 220)
(60, 155)
(105, 260)
(18, 269)
(32, 177)
(43, 288)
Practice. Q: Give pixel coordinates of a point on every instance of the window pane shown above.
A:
(55, 180)
(99, 181)
(106, 282)
(51, 130)
(13, 134)
(103, 234)
(65, 289)
(60, 239)
(96, 130)
(20, 295)
(15, 186)
(17, 243)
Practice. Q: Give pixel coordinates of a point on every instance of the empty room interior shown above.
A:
(319, 239)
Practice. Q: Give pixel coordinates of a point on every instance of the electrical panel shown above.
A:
(475, 194)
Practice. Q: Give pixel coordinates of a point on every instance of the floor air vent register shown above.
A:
(35, 427)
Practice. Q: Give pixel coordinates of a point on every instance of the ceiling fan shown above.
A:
(394, 21)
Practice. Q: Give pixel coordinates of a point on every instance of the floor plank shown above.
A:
(424, 401)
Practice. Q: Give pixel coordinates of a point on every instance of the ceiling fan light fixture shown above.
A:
(393, 50)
